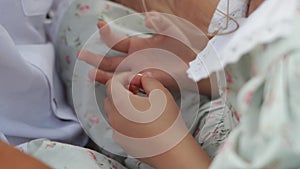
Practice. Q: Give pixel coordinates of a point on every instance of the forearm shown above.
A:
(209, 86)
(186, 155)
(12, 158)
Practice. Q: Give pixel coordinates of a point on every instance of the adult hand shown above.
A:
(170, 37)
(198, 12)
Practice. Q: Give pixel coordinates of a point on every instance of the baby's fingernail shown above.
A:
(148, 74)
(100, 24)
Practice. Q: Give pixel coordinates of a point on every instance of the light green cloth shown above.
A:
(65, 156)
(77, 30)
(266, 83)
(213, 125)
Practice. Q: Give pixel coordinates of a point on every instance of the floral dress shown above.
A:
(263, 85)
(210, 122)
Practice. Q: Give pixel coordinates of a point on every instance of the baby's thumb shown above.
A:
(149, 84)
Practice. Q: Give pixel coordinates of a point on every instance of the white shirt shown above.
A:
(32, 101)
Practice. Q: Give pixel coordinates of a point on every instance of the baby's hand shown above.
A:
(143, 126)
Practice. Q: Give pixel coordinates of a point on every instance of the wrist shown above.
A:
(187, 154)
(202, 17)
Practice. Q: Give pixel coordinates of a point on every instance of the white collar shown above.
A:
(236, 9)
(270, 21)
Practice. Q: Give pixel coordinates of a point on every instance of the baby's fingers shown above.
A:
(113, 40)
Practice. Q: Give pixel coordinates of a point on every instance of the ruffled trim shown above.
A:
(237, 9)
(255, 31)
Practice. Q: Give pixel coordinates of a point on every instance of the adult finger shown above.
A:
(149, 84)
(100, 76)
(99, 61)
(118, 83)
(89, 57)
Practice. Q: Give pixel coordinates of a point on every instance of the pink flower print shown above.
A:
(211, 116)
(92, 155)
(228, 77)
(214, 136)
(248, 97)
(68, 59)
(50, 145)
(84, 8)
(298, 74)
(226, 90)
(217, 103)
(235, 114)
(97, 85)
(114, 166)
(109, 156)
(197, 131)
(93, 119)
(107, 6)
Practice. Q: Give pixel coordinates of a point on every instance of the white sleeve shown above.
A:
(56, 14)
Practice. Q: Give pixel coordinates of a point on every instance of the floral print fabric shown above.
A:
(268, 104)
(210, 124)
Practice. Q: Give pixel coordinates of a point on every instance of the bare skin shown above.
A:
(254, 4)
(108, 65)
(13, 158)
(198, 12)
(186, 154)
